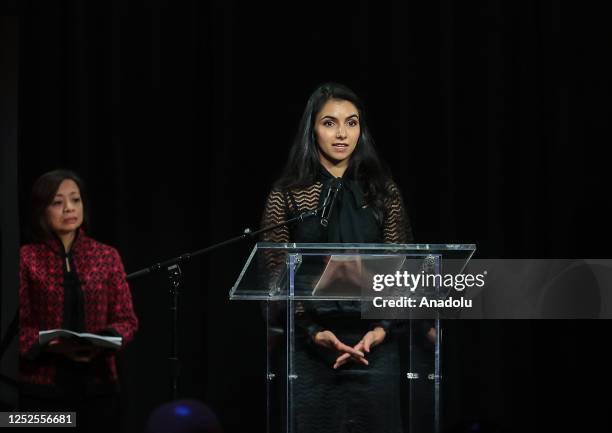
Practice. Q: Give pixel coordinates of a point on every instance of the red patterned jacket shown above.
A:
(106, 299)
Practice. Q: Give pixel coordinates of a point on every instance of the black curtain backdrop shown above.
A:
(493, 116)
(9, 217)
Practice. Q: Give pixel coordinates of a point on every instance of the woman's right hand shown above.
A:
(329, 340)
(70, 349)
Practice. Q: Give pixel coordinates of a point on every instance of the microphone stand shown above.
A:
(172, 267)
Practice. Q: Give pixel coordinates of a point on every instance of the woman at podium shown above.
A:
(345, 364)
(69, 281)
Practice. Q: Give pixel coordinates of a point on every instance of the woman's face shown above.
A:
(65, 213)
(337, 130)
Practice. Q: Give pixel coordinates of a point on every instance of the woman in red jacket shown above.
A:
(70, 281)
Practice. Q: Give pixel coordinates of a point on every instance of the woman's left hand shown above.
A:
(370, 340)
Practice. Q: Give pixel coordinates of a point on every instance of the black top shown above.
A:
(353, 220)
(74, 314)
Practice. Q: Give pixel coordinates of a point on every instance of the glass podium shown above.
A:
(350, 294)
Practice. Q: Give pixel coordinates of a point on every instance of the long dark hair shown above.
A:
(364, 166)
(43, 193)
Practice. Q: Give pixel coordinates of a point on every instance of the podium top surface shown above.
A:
(276, 271)
(364, 247)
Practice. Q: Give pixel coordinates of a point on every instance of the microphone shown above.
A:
(330, 200)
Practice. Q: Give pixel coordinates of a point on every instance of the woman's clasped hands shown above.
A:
(358, 352)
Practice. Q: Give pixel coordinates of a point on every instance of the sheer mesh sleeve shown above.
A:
(396, 225)
(275, 212)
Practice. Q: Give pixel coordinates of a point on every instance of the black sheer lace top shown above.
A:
(353, 219)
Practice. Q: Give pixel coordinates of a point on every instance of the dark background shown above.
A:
(494, 117)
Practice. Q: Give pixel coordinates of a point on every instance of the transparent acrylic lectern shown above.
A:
(306, 289)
